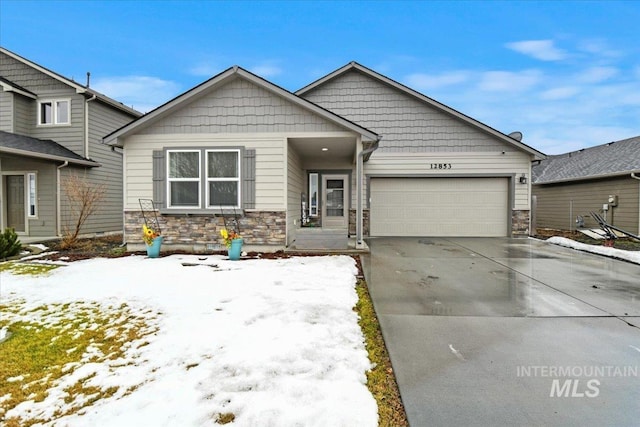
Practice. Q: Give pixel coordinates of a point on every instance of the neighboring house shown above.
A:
(50, 127)
(238, 144)
(604, 179)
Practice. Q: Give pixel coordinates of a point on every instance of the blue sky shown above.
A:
(566, 74)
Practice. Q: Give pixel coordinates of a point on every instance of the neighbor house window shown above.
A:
(32, 196)
(313, 194)
(223, 178)
(183, 178)
(54, 112)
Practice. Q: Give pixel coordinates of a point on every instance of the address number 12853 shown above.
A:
(440, 165)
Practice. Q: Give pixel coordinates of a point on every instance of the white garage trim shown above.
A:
(440, 206)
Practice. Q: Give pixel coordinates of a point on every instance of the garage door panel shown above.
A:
(439, 207)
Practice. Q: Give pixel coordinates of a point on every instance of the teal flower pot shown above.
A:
(153, 250)
(235, 250)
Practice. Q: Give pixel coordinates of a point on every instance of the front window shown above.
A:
(184, 179)
(223, 178)
(32, 195)
(54, 112)
(313, 194)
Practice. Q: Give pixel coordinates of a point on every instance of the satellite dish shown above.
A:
(516, 135)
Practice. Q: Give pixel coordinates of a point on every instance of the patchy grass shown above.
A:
(226, 418)
(381, 379)
(25, 268)
(50, 342)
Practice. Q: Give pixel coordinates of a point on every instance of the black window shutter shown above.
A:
(158, 178)
(249, 179)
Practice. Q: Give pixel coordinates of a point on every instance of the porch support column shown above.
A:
(359, 187)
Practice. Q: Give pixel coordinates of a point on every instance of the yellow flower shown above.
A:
(224, 233)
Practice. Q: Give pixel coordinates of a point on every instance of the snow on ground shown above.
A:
(275, 342)
(632, 256)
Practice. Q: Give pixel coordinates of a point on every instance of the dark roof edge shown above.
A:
(112, 138)
(588, 178)
(538, 155)
(75, 85)
(35, 154)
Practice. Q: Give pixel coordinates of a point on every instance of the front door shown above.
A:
(15, 202)
(335, 206)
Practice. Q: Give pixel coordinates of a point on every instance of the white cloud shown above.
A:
(144, 93)
(421, 81)
(599, 48)
(509, 81)
(560, 93)
(543, 50)
(266, 70)
(597, 74)
(206, 69)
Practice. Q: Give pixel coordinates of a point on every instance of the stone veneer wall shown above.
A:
(520, 223)
(263, 228)
(352, 222)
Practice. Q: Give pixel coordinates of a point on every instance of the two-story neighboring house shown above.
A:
(51, 127)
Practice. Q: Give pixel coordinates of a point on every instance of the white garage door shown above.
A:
(447, 207)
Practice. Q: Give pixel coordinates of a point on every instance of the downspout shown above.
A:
(58, 210)
(359, 173)
(86, 125)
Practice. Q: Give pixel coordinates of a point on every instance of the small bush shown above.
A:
(9, 243)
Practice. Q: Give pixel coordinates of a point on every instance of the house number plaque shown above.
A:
(440, 165)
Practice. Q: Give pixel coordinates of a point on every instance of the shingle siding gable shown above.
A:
(241, 107)
(27, 77)
(406, 124)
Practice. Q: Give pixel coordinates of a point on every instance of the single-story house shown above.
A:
(52, 127)
(604, 179)
(352, 154)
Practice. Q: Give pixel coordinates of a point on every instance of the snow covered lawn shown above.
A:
(273, 342)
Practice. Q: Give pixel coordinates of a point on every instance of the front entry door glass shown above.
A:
(335, 206)
(335, 197)
(15, 202)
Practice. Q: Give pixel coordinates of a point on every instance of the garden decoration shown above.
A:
(151, 233)
(233, 242)
(232, 239)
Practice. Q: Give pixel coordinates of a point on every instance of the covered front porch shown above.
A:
(325, 192)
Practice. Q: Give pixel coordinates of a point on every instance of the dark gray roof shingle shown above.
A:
(42, 148)
(614, 158)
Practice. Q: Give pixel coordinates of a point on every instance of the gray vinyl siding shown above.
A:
(406, 124)
(295, 187)
(70, 136)
(24, 115)
(6, 111)
(102, 121)
(45, 223)
(240, 107)
(559, 204)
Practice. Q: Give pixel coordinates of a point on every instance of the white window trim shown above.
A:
(54, 114)
(238, 179)
(198, 179)
(29, 175)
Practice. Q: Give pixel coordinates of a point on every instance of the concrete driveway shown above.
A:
(508, 331)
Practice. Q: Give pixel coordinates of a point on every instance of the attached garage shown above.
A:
(439, 207)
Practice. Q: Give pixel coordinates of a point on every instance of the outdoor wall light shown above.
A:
(325, 149)
(523, 179)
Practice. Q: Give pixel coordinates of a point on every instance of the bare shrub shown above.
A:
(84, 198)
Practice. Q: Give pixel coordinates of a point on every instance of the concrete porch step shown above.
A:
(321, 238)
